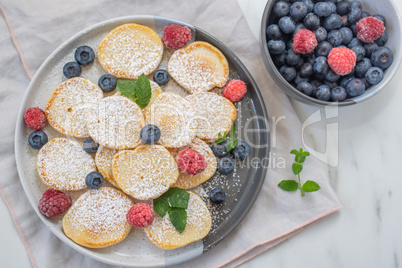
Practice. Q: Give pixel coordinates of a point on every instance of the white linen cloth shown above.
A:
(40, 26)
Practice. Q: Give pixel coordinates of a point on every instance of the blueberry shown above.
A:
(345, 79)
(241, 151)
(347, 35)
(90, 146)
(311, 21)
(338, 94)
(323, 9)
(276, 47)
(309, 4)
(37, 139)
(217, 196)
(362, 67)
(281, 9)
(226, 166)
(319, 76)
(287, 25)
(84, 55)
(345, 22)
(380, 17)
(273, 32)
(150, 134)
(320, 34)
(331, 76)
(370, 48)
(382, 40)
(315, 84)
(320, 65)
(342, 8)
(161, 77)
(360, 52)
(289, 73)
(280, 59)
(298, 10)
(374, 75)
(94, 180)
(355, 15)
(334, 21)
(289, 45)
(355, 87)
(310, 57)
(331, 84)
(299, 64)
(356, 4)
(107, 82)
(323, 93)
(71, 69)
(305, 88)
(300, 79)
(220, 149)
(335, 38)
(298, 27)
(306, 70)
(367, 84)
(354, 43)
(382, 57)
(353, 28)
(292, 58)
(365, 14)
(323, 49)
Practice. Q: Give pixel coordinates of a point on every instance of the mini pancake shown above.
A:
(66, 108)
(163, 234)
(103, 160)
(215, 114)
(145, 172)
(199, 67)
(116, 123)
(63, 164)
(130, 50)
(98, 218)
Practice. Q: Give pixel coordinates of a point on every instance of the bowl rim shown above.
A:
(294, 93)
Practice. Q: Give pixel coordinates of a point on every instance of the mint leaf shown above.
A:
(127, 88)
(288, 185)
(310, 186)
(143, 91)
(178, 198)
(295, 152)
(233, 131)
(300, 158)
(231, 145)
(305, 153)
(161, 205)
(221, 138)
(296, 168)
(178, 217)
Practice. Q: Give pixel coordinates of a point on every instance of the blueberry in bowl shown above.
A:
(367, 34)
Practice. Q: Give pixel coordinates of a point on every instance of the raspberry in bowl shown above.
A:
(331, 52)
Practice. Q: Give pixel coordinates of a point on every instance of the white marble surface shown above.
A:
(366, 232)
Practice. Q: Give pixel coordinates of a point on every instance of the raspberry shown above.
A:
(176, 36)
(35, 118)
(369, 29)
(234, 90)
(53, 203)
(140, 215)
(191, 161)
(342, 60)
(304, 41)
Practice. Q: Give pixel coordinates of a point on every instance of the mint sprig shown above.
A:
(174, 202)
(297, 167)
(232, 139)
(139, 91)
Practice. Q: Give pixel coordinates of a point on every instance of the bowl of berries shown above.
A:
(331, 52)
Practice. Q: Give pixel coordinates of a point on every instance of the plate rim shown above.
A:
(19, 130)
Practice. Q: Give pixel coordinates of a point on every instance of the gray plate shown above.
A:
(242, 187)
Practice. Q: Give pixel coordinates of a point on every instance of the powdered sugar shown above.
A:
(63, 165)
